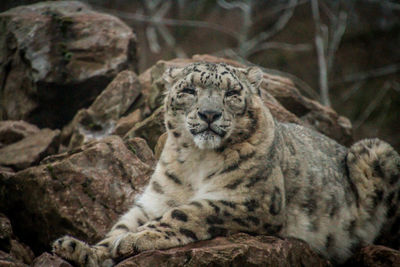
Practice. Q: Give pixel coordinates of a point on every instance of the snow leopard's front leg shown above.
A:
(100, 254)
(198, 220)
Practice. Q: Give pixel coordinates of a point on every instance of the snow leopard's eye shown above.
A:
(232, 93)
(189, 91)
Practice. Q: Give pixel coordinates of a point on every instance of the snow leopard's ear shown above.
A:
(171, 75)
(255, 76)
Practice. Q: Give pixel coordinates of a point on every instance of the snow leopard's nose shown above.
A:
(209, 116)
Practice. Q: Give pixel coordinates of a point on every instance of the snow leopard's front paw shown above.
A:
(132, 243)
(77, 251)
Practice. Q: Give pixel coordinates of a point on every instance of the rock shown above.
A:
(237, 250)
(139, 147)
(371, 256)
(56, 57)
(150, 128)
(10, 246)
(30, 150)
(6, 172)
(80, 193)
(21, 252)
(47, 260)
(5, 233)
(13, 131)
(7, 260)
(100, 118)
(126, 123)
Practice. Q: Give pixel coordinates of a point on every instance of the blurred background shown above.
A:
(346, 54)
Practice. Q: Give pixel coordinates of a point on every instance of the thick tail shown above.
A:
(374, 168)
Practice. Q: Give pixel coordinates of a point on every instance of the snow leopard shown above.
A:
(228, 166)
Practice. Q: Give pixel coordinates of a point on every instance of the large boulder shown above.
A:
(236, 250)
(81, 193)
(56, 57)
(30, 150)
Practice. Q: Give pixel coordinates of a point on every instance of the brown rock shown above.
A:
(15, 250)
(237, 250)
(80, 193)
(150, 128)
(30, 150)
(139, 147)
(100, 118)
(126, 123)
(13, 131)
(5, 232)
(6, 260)
(49, 260)
(56, 57)
(373, 255)
(21, 252)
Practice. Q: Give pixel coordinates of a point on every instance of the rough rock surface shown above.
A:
(13, 131)
(7, 260)
(236, 250)
(100, 118)
(47, 260)
(150, 128)
(126, 123)
(56, 57)
(81, 193)
(371, 256)
(30, 150)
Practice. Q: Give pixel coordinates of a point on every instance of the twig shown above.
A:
(339, 29)
(354, 89)
(322, 64)
(276, 28)
(246, 9)
(372, 105)
(283, 46)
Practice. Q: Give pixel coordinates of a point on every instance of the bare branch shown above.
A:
(246, 9)
(276, 28)
(283, 46)
(322, 64)
(372, 105)
(152, 39)
(339, 29)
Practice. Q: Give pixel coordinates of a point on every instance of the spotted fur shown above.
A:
(228, 166)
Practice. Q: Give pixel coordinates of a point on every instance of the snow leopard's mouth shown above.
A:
(208, 130)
